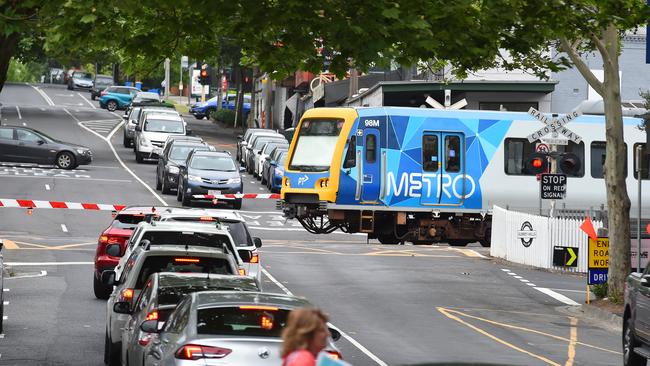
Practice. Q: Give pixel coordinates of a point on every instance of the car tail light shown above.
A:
(333, 354)
(206, 218)
(255, 258)
(126, 295)
(153, 315)
(187, 260)
(242, 272)
(108, 239)
(196, 352)
(103, 239)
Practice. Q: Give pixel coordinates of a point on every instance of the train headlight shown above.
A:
(324, 183)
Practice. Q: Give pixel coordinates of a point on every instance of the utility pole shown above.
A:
(167, 67)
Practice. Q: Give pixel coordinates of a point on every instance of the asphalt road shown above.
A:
(397, 305)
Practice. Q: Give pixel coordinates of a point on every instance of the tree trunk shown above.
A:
(7, 50)
(618, 201)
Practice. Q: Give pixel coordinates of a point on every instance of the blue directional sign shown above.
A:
(597, 276)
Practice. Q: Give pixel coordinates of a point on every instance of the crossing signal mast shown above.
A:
(204, 80)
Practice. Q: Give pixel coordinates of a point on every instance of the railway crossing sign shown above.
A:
(598, 260)
(554, 125)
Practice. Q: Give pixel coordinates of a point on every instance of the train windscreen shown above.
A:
(315, 145)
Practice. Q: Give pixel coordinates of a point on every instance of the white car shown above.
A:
(266, 151)
(151, 134)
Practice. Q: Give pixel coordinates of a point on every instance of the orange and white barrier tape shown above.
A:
(4, 202)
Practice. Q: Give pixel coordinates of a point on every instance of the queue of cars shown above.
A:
(263, 153)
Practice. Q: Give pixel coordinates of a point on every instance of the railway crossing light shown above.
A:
(204, 77)
(570, 164)
(537, 163)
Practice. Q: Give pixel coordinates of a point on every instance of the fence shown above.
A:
(529, 239)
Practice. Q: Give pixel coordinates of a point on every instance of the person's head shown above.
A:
(306, 329)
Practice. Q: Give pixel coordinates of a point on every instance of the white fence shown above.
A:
(529, 239)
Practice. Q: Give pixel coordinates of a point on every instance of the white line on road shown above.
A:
(5, 303)
(107, 139)
(19, 115)
(343, 334)
(5, 289)
(64, 228)
(47, 187)
(42, 93)
(557, 296)
(87, 101)
(19, 264)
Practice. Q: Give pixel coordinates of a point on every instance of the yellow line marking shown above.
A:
(59, 247)
(572, 343)
(532, 331)
(8, 244)
(447, 312)
(32, 245)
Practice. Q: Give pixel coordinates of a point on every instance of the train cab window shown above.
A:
(645, 163)
(371, 148)
(598, 159)
(351, 156)
(452, 154)
(430, 153)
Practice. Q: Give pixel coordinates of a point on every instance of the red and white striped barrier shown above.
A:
(4, 202)
(231, 196)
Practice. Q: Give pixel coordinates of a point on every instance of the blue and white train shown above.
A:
(426, 175)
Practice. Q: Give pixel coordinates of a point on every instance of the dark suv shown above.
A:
(636, 319)
(209, 173)
(172, 158)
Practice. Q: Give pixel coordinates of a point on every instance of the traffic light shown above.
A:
(204, 77)
(537, 163)
(570, 164)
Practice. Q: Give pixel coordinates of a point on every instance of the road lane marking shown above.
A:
(64, 228)
(20, 116)
(343, 334)
(20, 264)
(571, 351)
(5, 289)
(9, 244)
(47, 187)
(107, 139)
(42, 93)
(469, 252)
(86, 100)
(447, 313)
(5, 303)
(557, 296)
(43, 273)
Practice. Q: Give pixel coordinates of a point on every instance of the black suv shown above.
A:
(636, 319)
(209, 173)
(170, 161)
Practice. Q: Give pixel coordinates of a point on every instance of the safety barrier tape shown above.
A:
(237, 195)
(4, 202)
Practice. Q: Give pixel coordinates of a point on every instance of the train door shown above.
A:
(371, 163)
(443, 168)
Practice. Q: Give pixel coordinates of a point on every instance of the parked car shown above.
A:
(252, 137)
(237, 328)
(171, 159)
(118, 232)
(144, 97)
(242, 140)
(117, 97)
(100, 84)
(203, 109)
(253, 150)
(80, 80)
(246, 244)
(26, 145)
(209, 173)
(264, 152)
(163, 291)
(153, 132)
(276, 173)
(132, 117)
(273, 157)
(636, 319)
(139, 266)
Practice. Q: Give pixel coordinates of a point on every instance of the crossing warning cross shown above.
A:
(554, 125)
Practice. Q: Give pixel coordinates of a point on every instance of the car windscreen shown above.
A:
(182, 264)
(126, 221)
(162, 125)
(213, 162)
(173, 295)
(315, 144)
(135, 114)
(246, 321)
(261, 141)
(80, 75)
(181, 152)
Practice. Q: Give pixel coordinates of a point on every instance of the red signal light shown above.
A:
(537, 163)
(204, 73)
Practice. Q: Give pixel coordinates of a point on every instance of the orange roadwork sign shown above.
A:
(598, 253)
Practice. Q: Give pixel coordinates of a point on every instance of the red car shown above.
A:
(118, 232)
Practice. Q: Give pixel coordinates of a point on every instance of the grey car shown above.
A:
(237, 328)
(139, 266)
(162, 292)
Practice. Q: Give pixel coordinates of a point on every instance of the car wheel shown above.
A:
(179, 192)
(65, 160)
(158, 183)
(139, 158)
(165, 186)
(237, 204)
(101, 291)
(111, 353)
(185, 199)
(630, 358)
(125, 140)
(198, 116)
(111, 105)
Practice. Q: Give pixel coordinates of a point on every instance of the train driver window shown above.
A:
(452, 154)
(645, 163)
(371, 148)
(598, 159)
(351, 156)
(430, 153)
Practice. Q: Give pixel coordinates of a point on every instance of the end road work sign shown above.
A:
(598, 260)
(553, 186)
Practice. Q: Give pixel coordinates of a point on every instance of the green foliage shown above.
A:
(226, 116)
(599, 290)
(29, 72)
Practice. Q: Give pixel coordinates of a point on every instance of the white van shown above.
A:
(150, 136)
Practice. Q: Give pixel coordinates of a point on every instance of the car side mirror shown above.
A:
(150, 326)
(122, 307)
(267, 158)
(258, 242)
(108, 278)
(259, 152)
(239, 137)
(138, 128)
(40, 142)
(336, 335)
(245, 255)
(114, 250)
